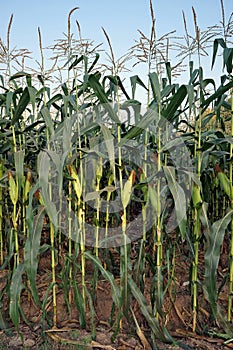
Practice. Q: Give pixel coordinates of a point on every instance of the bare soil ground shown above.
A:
(69, 335)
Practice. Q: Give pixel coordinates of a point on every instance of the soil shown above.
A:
(69, 335)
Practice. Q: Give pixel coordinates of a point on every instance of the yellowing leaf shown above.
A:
(13, 189)
(225, 183)
(127, 190)
(76, 183)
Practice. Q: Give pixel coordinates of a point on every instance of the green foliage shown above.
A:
(212, 257)
(32, 246)
(91, 164)
(16, 287)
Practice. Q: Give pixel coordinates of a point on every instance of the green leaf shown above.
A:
(13, 189)
(80, 305)
(9, 98)
(32, 94)
(153, 198)
(90, 196)
(3, 322)
(212, 257)
(178, 196)
(227, 59)
(97, 56)
(43, 172)
(220, 91)
(225, 183)
(19, 75)
(169, 71)
(190, 92)
(43, 167)
(48, 120)
(32, 247)
(134, 80)
(21, 106)
(109, 142)
(116, 80)
(109, 276)
(175, 103)
(127, 191)
(155, 85)
(55, 98)
(15, 291)
(217, 42)
(102, 96)
(136, 130)
(19, 166)
(159, 331)
(76, 61)
(196, 196)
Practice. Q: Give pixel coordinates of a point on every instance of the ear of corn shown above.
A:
(196, 197)
(76, 181)
(13, 189)
(127, 189)
(225, 183)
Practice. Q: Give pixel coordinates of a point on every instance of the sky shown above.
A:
(121, 19)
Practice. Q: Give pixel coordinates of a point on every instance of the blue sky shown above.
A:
(120, 18)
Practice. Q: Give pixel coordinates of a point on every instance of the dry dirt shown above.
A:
(69, 335)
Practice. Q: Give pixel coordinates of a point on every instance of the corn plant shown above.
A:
(115, 182)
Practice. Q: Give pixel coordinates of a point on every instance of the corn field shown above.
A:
(118, 185)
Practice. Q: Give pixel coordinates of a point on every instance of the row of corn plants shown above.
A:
(104, 176)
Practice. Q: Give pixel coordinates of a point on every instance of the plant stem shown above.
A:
(82, 249)
(1, 212)
(16, 235)
(158, 242)
(70, 236)
(53, 267)
(197, 223)
(229, 312)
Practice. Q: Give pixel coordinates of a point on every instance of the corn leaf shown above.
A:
(102, 96)
(21, 106)
(19, 167)
(175, 102)
(159, 330)
(127, 191)
(19, 75)
(225, 183)
(217, 42)
(220, 91)
(196, 196)
(15, 291)
(155, 85)
(227, 58)
(79, 302)
(153, 196)
(134, 80)
(32, 247)
(212, 257)
(97, 56)
(46, 183)
(76, 61)
(76, 181)
(179, 198)
(9, 98)
(3, 322)
(108, 275)
(116, 81)
(109, 142)
(13, 189)
(48, 120)
(136, 130)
